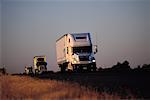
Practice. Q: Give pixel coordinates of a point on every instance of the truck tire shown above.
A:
(62, 68)
(89, 68)
(80, 69)
(75, 69)
(36, 72)
(93, 67)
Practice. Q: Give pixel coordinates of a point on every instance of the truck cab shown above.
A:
(75, 52)
(82, 52)
(40, 64)
(28, 70)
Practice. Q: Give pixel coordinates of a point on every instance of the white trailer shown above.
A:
(39, 64)
(74, 52)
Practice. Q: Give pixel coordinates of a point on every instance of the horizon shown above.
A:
(121, 29)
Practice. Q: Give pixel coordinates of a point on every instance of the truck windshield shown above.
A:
(40, 59)
(85, 49)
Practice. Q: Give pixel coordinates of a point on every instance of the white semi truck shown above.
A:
(75, 52)
(39, 64)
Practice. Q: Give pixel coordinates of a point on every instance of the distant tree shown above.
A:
(100, 69)
(146, 67)
(117, 66)
(139, 67)
(121, 67)
(125, 65)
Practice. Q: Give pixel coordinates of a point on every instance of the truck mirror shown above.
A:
(95, 49)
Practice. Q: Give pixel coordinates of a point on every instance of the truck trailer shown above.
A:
(74, 52)
(39, 64)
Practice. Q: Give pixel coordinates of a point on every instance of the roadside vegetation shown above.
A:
(118, 82)
(24, 87)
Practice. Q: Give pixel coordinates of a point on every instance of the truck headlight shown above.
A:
(74, 61)
(93, 61)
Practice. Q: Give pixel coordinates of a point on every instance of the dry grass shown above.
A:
(23, 87)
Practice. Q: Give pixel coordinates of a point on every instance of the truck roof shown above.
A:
(61, 37)
(40, 56)
(71, 34)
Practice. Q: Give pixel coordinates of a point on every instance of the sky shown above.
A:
(120, 28)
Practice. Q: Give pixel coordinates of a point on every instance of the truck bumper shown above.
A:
(82, 63)
(91, 66)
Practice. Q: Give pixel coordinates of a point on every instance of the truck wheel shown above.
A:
(93, 67)
(80, 69)
(89, 68)
(75, 69)
(36, 72)
(62, 68)
(70, 71)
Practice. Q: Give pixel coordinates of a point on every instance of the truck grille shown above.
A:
(84, 58)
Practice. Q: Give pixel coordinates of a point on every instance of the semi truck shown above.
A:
(39, 64)
(74, 52)
(28, 70)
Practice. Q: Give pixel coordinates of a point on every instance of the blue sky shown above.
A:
(31, 27)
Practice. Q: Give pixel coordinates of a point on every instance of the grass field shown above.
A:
(24, 87)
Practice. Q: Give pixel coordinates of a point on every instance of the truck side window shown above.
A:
(64, 50)
(69, 40)
(67, 50)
